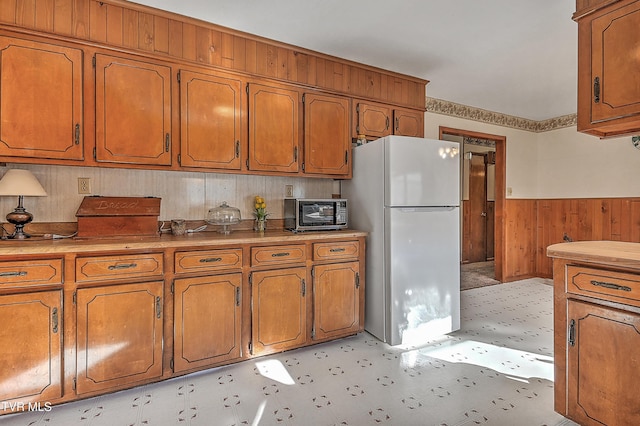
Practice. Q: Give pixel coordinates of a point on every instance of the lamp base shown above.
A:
(19, 218)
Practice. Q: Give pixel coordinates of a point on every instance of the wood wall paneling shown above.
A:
(519, 236)
(586, 219)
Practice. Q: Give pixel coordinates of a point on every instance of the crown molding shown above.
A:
(439, 106)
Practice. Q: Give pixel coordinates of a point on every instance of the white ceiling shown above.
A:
(517, 57)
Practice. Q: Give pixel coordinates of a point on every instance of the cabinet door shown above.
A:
(274, 128)
(133, 111)
(336, 301)
(373, 120)
(40, 100)
(327, 143)
(603, 365)
(210, 110)
(615, 42)
(119, 335)
(279, 310)
(31, 355)
(407, 122)
(207, 320)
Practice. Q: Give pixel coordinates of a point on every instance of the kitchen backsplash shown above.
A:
(186, 195)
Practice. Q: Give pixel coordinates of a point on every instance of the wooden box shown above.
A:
(117, 216)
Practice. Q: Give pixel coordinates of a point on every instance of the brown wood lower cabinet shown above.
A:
(119, 335)
(207, 321)
(336, 301)
(80, 320)
(31, 341)
(597, 331)
(279, 310)
(603, 365)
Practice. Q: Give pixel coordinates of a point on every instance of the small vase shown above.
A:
(261, 225)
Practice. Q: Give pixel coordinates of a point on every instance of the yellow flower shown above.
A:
(260, 207)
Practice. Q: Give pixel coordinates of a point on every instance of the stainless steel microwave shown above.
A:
(307, 214)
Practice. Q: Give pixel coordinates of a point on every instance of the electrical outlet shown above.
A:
(84, 185)
(288, 191)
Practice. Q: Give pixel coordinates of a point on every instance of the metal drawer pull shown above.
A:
(13, 274)
(123, 266)
(610, 285)
(283, 254)
(54, 320)
(572, 333)
(210, 259)
(337, 250)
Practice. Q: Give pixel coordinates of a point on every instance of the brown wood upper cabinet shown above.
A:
(40, 120)
(274, 128)
(608, 77)
(408, 122)
(210, 121)
(327, 143)
(378, 120)
(133, 111)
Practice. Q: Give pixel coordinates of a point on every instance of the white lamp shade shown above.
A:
(18, 182)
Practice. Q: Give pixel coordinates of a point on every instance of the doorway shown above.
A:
(482, 207)
(477, 207)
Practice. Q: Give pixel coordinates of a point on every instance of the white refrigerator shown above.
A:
(405, 192)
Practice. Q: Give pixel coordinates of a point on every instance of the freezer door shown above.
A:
(423, 274)
(421, 172)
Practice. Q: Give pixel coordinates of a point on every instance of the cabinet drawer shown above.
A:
(331, 251)
(102, 268)
(19, 273)
(208, 260)
(614, 286)
(277, 255)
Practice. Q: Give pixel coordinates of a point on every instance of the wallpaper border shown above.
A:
(439, 106)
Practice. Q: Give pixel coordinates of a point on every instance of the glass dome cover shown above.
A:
(224, 215)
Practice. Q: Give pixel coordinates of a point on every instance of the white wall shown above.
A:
(184, 195)
(575, 165)
(560, 163)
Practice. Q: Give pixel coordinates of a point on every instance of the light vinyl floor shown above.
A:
(497, 370)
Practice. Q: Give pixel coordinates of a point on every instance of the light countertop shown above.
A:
(190, 241)
(614, 253)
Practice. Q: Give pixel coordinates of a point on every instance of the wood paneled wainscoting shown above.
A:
(532, 225)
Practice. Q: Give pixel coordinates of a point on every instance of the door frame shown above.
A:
(500, 184)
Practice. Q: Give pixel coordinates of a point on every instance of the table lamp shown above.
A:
(20, 183)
